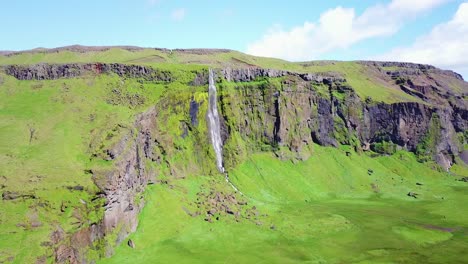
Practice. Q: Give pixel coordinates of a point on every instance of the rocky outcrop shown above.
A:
(46, 71)
(407, 65)
(123, 186)
(401, 123)
(405, 68)
(73, 249)
(459, 117)
(426, 82)
(253, 73)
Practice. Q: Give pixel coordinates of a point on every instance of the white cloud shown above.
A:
(338, 28)
(415, 5)
(446, 46)
(178, 14)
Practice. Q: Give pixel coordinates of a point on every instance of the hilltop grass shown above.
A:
(358, 76)
(327, 209)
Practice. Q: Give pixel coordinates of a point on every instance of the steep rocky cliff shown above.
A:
(262, 110)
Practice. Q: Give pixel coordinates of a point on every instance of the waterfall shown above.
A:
(215, 129)
(214, 124)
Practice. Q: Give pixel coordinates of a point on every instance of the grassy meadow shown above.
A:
(327, 209)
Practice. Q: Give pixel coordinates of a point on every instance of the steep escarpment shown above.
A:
(299, 108)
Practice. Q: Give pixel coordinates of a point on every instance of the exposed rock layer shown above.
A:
(55, 71)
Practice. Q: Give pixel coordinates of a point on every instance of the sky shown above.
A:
(423, 31)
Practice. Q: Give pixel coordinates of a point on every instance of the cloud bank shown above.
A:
(338, 28)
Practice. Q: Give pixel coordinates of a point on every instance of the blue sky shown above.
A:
(427, 31)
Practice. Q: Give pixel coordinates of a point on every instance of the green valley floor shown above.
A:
(332, 208)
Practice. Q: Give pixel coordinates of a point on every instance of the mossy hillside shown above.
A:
(187, 146)
(364, 81)
(54, 132)
(76, 121)
(317, 209)
(247, 109)
(154, 57)
(268, 114)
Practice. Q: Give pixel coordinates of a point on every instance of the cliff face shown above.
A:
(324, 109)
(262, 110)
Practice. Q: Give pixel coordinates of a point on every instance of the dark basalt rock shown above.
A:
(130, 243)
(401, 123)
(46, 71)
(193, 112)
(7, 195)
(75, 188)
(324, 134)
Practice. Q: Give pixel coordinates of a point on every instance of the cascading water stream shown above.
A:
(215, 128)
